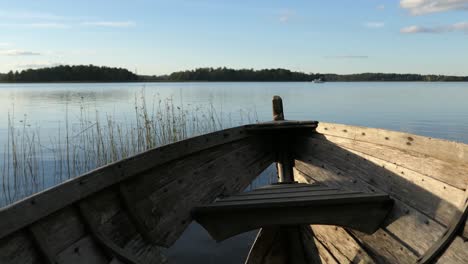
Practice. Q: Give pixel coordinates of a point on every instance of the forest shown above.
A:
(91, 73)
(65, 73)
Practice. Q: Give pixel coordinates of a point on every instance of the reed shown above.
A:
(95, 139)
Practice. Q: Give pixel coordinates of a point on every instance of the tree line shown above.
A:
(65, 73)
(91, 73)
(272, 75)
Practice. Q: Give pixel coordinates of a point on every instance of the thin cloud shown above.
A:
(113, 24)
(380, 7)
(462, 26)
(19, 53)
(374, 24)
(348, 57)
(286, 15)
(38, 65)
(422, 7)
(3, 44)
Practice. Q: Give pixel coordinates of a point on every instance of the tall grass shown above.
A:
(94, 139)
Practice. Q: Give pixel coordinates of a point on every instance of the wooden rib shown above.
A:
(109, 246)
(417, 231)
(19, 249)
(44, 203)
(41, 242)
(456, 253)
(409, 227)
(225, 175)
(135, 217)
(441, 149)
(116, 225)
(444, 242)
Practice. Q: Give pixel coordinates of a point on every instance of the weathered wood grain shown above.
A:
(311, 250)
(281, 245)
(146, 183)
(422, 192)
(341, 245)
(455, 174)
(27, 211)
(84, 250)
(117, 227)
(18, 248)
(225, 175)
(310, 240)
(267, 248)
(437, 148)
(58, 231)
(457, 252)
(416, 230)
(385, 249)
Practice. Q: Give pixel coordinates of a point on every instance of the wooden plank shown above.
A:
(422, 192)
(280, 245)
(267, 248)
(109, 247)
(295, 245)
(144, 252)
(311, 250)
(27, 211)
(455, 174)
(281, 196)
(385, 249)
(58, 231)
(40, 242)
(128, 204)
(120, 230)
(225, 175)
(225, 221)
(437, 148)
(19, 249)
(456, 253)
(262, 191)
(287, 186)
(343, 198)
(145, 184)
(451, 233)
(310, 241)
(417, 231)
(341, 245)
(84, 250)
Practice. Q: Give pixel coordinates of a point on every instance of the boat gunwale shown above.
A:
(78, 188)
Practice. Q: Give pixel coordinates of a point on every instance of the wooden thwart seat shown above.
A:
(292, 204)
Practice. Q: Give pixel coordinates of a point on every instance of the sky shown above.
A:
(159, 37)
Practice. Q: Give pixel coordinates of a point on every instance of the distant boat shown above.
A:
(319, 80)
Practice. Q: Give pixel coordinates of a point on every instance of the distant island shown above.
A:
(77, 73)
(91, 73)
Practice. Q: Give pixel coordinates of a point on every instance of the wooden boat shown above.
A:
(129, 211)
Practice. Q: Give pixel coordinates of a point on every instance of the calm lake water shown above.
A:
(431, 109)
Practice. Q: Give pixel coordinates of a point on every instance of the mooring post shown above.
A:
(284, 163)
